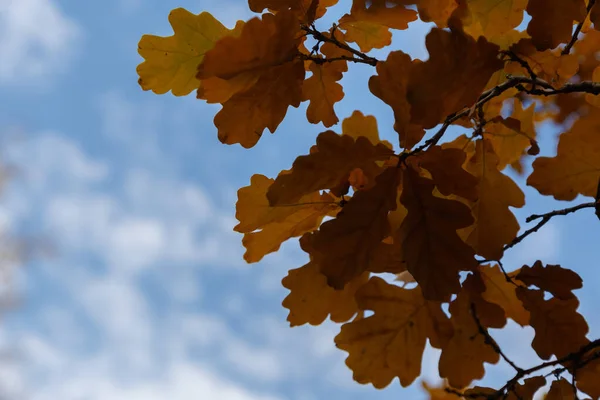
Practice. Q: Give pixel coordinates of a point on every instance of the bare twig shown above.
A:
(319, 60)
(331, 39)
(569, 45)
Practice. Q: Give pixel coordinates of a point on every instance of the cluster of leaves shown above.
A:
(435, 212)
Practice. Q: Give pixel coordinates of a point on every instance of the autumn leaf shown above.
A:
(552, 21)
(495, 224)
(390, 85)
(369, 27)
(576, 167)
(511, 137)
(171, 63)
(437, 11)
(266, 227)
(335, 157)
(308, 10)
(527, 389)
(559, 328)
(266, 52)
(311, 300)
(493, 18)
(344, 247)
(467, 345)
(438, 392)
(322, 88)
(433, 251)
(452, 78)
(446, 169)
(561, 390)
(587, 377)
(358, 125)
(552, 278)
(500, 291)
(390, 343)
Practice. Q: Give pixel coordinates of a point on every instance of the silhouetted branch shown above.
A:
(331, 39)
(569, 45)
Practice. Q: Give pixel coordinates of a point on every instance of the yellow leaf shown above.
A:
(495, 17)
(171, 62)
(265, 227)
(390, 343)
(503, 293)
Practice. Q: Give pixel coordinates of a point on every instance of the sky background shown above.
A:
(138, 289)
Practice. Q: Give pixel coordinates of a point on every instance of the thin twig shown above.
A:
(319, 60)
(569, 45)
(490, 340)
(324, 38)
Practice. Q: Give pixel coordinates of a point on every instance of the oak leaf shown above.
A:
(322, 88)
(576, 167)
(493, 18)
(358, 124)
(552, 21)
(308, 10)
(390, 343)
(587, 376)
(511, 137)
(462, 359)
(527, 389)
(345, 246)
(452, 78)
(266, 53)
(311, 299)
(560, 389)
(171, 62)
(438, 11)
(446, 168)
(500, 291)
(334, 157)
(266, 227)
(369, 27)
(433, 251)
(552, 278)
(559, 328)
(495, 224)
(390, 85)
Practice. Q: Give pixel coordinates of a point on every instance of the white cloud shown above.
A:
(36, 40)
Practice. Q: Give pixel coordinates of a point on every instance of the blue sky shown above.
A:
(141, 291)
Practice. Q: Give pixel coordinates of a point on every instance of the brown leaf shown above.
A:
(390, 343)
(559, 328)
(311, 299)
(344, 247)
(462, 359)
(587, 377)
(452, 78)
(552, 21)
(553, 278)
(332, 161)
(445, 167)
(390, 85)
(433, 251)
(503, 293)
(527, 389)
(561, 390)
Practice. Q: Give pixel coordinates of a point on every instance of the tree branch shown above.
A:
(331, 39)
(569, 45)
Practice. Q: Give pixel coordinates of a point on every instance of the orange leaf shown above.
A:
(369, 26)
(390, 343)
(576, 167)
(561, 390)
(453, 77)
(495, 224)
(552, 21)
(265, 227)
(358, 125)
(323, 91)
(308, 10)
(527, 389)
(587, 377)
(265, 54)
(437, 11)
(332, 161)
(492, 18)
(390, 85)
(433, 251)
(463, 356)
(553, 278)
(559, 328)
(503, 293)
(344, 247)
(311, 300)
